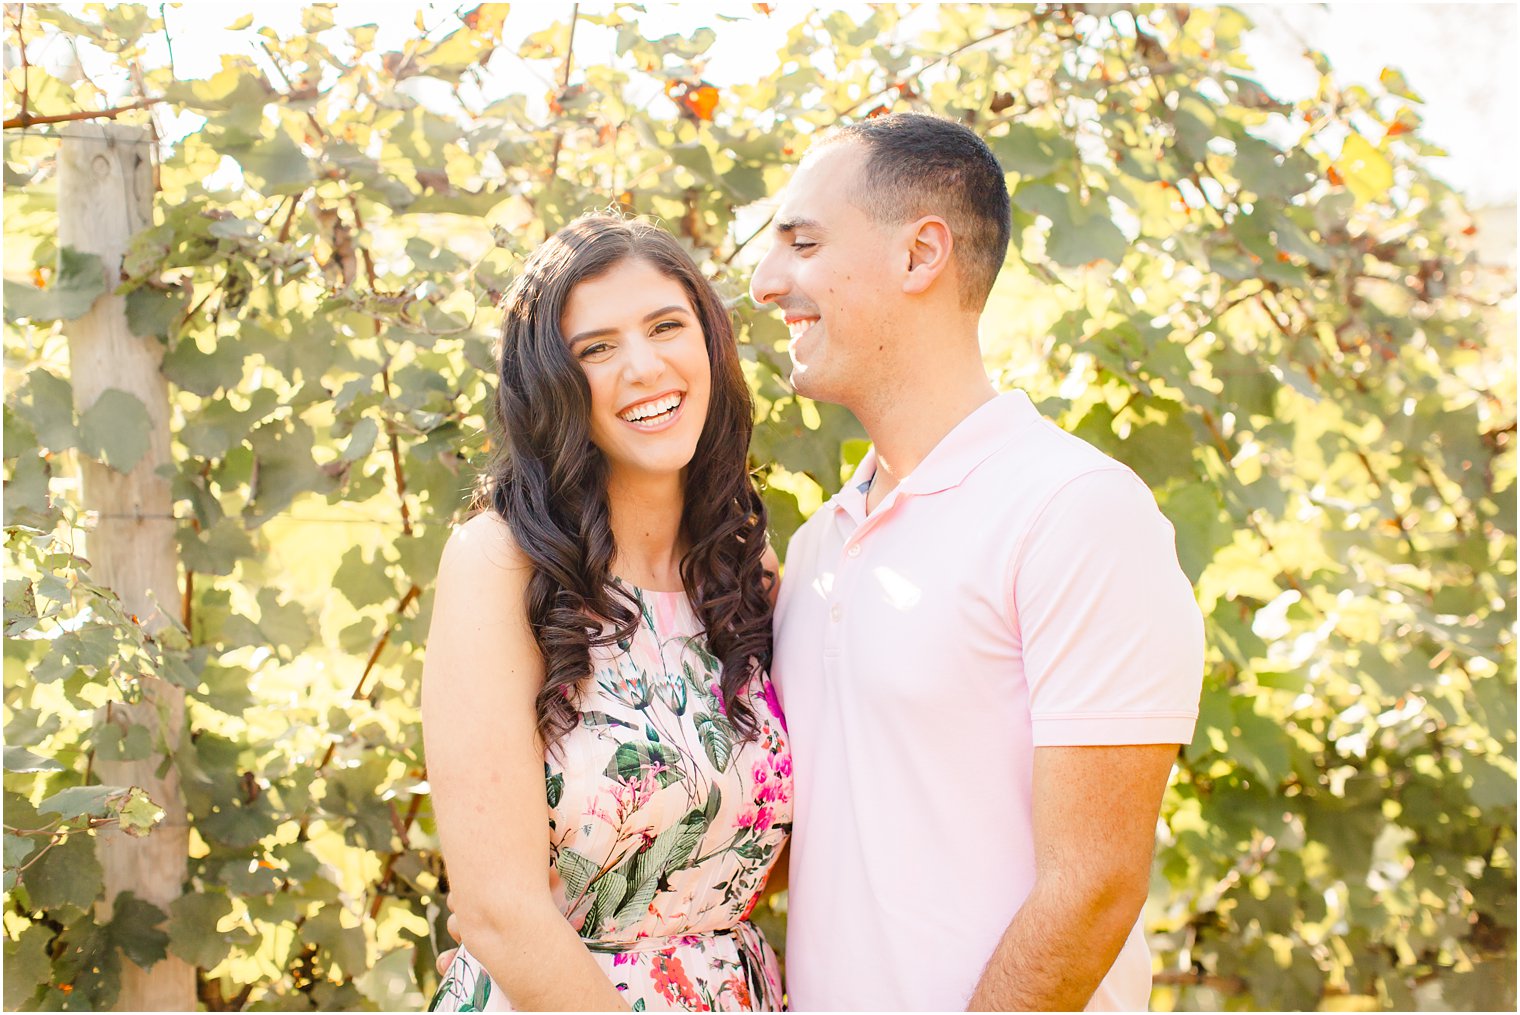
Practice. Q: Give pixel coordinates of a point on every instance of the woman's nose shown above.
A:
(642, 361)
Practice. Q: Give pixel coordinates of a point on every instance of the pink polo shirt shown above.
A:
(1019, 589)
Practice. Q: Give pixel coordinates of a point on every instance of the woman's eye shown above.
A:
(593, 350)
(665, 326)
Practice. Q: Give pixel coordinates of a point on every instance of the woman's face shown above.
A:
(636, 335)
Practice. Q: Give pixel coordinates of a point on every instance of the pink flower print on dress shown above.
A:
(768, 695)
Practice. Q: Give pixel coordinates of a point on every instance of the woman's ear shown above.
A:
(929, 247)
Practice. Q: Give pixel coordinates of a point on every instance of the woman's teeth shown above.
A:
(646, 412)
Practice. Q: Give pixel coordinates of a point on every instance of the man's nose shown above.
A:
(767, 285)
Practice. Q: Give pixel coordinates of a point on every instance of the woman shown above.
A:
(609, 765)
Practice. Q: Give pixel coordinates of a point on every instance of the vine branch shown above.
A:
(26, 119)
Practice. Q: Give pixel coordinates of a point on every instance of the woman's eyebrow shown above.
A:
(599, 332)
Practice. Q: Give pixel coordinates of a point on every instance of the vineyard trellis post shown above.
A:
(105, 195)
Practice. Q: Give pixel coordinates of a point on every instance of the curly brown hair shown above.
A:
(549, 481)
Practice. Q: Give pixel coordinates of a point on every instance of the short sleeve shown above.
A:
(1111, 634)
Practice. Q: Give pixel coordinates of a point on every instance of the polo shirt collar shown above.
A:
(968, 444)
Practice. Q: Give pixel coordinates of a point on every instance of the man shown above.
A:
(986, 650)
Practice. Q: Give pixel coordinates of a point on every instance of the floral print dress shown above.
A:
(663, 826)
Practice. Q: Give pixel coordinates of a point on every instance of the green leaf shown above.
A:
(88, 961)
(152, 312)
(215, 550)
(17, 849)
(68, 874)
(1079, 234)
(285, 467)
(1031, 151)
(717, 740)
(276, 165)
(633, 759)
(18, 436)
(363, 582)
(134, 928)
(27, 965)
(116, 430)
(575, 872)
(26, 500)
(193, 934)
(237, 825)
(112, 743)
(1201, 526)
(46, 402)
(594, 718)
(554, 785)
(19, 759)
(420, 553)
(78, 801)
(202, 373)
(361, 440)
(610, 890)
(345, 945)
(79, 281)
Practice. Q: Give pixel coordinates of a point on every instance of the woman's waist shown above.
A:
(743, 933)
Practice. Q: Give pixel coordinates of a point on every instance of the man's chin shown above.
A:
(809, 384)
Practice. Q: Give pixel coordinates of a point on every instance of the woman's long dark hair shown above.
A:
(550, 482)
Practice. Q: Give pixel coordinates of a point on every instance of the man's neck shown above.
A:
(905, 431)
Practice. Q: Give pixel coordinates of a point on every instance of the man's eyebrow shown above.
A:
(793, 225)
(599, 332)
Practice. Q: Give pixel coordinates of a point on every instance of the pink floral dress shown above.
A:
(662, 827)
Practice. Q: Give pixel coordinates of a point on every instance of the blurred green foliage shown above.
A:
(1272, 312)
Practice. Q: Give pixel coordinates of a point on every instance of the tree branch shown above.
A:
(564, 83)
(28, 120)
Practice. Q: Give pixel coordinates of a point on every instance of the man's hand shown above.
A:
(446, 958)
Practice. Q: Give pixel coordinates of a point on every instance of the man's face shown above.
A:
(828, 271)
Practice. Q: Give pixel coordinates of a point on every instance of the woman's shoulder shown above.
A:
(483, 548)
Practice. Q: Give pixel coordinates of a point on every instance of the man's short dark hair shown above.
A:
(917, 164)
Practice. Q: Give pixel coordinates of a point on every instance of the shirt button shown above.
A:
(835, 613)
(854, 550)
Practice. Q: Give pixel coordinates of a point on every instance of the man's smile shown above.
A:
(799, 326)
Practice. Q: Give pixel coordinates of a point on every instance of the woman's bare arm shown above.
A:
(485, 763)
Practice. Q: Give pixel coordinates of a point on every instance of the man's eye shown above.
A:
(801, 245)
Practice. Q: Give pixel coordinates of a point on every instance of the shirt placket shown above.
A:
(848, 569)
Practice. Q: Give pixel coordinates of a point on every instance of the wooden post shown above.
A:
(105, 194)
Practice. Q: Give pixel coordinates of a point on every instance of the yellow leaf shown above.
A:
(1365, 170)
(487, 19)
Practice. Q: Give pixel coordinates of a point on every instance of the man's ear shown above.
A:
(929, 247)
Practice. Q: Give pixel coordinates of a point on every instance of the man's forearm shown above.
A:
(1057, 949)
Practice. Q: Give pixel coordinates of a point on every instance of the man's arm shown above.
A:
(1095, 811)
